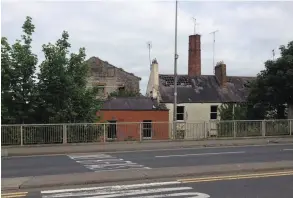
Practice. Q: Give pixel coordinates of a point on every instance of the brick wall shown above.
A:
(128, 123)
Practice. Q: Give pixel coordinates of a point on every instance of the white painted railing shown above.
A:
(32, 134)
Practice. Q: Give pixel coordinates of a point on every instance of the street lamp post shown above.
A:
(175, 76)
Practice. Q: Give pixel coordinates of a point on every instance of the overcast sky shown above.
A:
(118, 31)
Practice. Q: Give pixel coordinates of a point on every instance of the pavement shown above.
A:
(129, 146)
(253, 185)
(164, 158)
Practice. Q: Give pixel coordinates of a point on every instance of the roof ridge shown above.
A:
(120, 68)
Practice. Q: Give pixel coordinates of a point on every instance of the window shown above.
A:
(180, 113)
(112, 129)
(214, 112)
(147, 129)
(121, 89)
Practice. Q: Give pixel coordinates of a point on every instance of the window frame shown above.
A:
(147, 129)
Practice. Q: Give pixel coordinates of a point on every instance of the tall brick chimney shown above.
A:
(194, 56)
(220, 73)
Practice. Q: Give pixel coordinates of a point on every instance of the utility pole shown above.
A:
(214, 43)
(273, 54)
(175, 76)
(149, 43)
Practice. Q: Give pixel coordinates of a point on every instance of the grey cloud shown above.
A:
(118, 31)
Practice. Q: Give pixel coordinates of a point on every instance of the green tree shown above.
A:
(6, 76)
(18, 65)
(272, 90)
(63, 95)
(231, 111)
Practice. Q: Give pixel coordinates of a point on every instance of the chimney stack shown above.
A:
(220, 73)
(194, 56)
(155, 79)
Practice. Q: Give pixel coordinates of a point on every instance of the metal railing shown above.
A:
(34, 134)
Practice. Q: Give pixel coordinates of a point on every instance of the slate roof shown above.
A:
(133, 104)
(203, 89)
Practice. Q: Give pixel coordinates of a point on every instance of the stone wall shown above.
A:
(110, 77)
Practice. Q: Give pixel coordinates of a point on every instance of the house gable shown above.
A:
(102, 73)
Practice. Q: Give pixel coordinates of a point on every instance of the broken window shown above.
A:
(121, 89)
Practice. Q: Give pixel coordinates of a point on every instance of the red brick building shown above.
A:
(135, 118)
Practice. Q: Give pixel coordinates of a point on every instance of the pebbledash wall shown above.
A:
(127, 124)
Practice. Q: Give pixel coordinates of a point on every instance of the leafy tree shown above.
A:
(63, 95)
(273, 88)
(18, 65)
(6, 75)
(230, 111)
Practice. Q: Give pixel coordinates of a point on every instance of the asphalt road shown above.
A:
(261, 187)
(77, 163)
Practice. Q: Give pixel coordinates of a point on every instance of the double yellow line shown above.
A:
(235, 177)
(13, 195)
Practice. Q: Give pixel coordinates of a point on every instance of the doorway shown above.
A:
(112, 129)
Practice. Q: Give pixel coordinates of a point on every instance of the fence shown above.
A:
(29, 134)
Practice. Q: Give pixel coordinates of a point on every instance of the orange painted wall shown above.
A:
(128, 123)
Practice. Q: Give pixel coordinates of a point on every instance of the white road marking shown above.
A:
(117, 187)
(193, 194)
(145, 190)
(90, 156)
(118, 193)
(287, 149)
(119, 169)
(201, 154)
(103, 162)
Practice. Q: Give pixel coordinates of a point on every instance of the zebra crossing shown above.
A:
(104, 162)
(144, 190)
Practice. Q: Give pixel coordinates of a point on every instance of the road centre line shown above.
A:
(201, 154)
(287, 149)
(235, 177)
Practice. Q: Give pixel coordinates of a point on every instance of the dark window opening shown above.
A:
(214, 112)
(214, 109)
(180, 113)
(112, 129)
(147, 129)
(121, 89)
